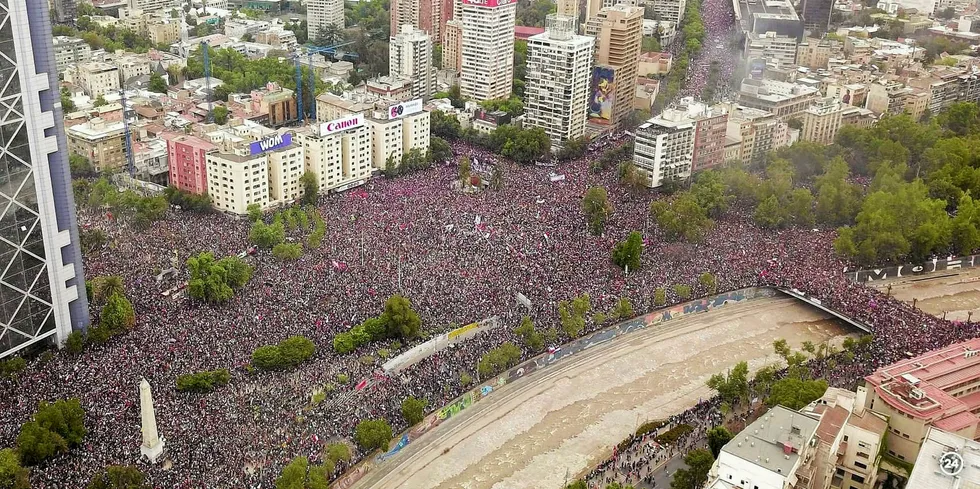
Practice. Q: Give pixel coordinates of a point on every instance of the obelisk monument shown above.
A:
(152, 446)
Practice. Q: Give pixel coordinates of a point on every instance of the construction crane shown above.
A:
(130, 158)
(207, 80)
(310, 51)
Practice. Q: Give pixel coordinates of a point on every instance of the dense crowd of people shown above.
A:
(459, 258)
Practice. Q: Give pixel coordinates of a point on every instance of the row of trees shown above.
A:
(286, 354)
(524, 146)
(272, 236)
(215, 281)
(398, 320)
(692, 34)
(188, 201)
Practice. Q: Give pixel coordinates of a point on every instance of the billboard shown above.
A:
(757, 68)
(603, 95)
(270, 143)
(405, 108)
(342, 124)
(489, 3)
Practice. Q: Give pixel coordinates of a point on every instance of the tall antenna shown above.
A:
(207, 80)
(130, 159)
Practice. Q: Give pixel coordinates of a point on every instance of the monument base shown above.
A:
(152, 453)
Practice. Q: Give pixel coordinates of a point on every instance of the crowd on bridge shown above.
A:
(458, 257)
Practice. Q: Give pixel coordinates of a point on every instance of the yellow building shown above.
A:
(338, 152)
(101, 141)
(236, 180)
(822, 120)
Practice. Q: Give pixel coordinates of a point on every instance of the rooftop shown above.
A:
(774, 441)
(96, 128)
(927, 471)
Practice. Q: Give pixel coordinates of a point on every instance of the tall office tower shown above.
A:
(42, 292)
(619, 32)
(816, 14)
(559, 65)
(323, 13)
(487, 49)
(64, 11)
(410, 56)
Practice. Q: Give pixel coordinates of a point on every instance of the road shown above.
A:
(953, 293)
(566, 419)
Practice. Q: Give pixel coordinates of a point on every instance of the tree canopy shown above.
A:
(626, 254)
(119, 477)
(372, 434)
(53, 429)
(214, 281)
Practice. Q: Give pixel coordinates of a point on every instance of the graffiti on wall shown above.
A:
(909, 269)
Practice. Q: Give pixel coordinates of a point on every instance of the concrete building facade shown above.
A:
(619, 33)
(559, 68)
(187, 159)
(321, 14)
(100, 141)
(664, 147)
(237, 180)
(98, 78)
(70, 50)
(410, 57)
(338, 152)
(822, 120)
(487, 49)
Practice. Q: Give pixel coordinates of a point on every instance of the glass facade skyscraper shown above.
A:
(42, 291)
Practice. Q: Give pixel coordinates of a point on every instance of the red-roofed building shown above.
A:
(940, 388)
(524, 32)
(187, 158)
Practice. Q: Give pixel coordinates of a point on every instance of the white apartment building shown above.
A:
(487, 71)
(559, 65)
(237, 180)
(664, 147)
(410, 56)
(132, 66)
(771, 47)
(767, 453)
(154, 5)
(98, 78)
(286, 165)
(946, 461)
(322, 13)
(395, 136)
(669, 10)
(70, 50)
(338, 152)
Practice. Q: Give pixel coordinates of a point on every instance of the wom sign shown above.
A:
(936, 265)
(270, 143)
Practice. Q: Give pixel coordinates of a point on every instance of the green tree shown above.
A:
(464, 171)
(157, 83)
(105, 287)
(117, 315)
(770, 214)
(734, 386)
(717, 438)
(596, 207)
(402, 320)
(966, 226)
(213, 281)
(254, 212)
(67, 105)
(372, 434)
(80, 166)
(337, 452)
(267, 358)
(696, 473)
(311, 188)
(75, 342)
(573, 149)
(660, 297)
(12, 475)
(287, 251)
(709, 282)
(498, 359)
(118, 477)
(683, 218)
(626, 254)
(220, 114)
(267, 235)
(439, 149)
(683, 291)
(53, 429)
(572, 314)
(100, 101)
(413, 410)
(623, 309)
(533, 339)
(961, 118)
(299, 474)
(838, 200)
(444, 126)
(795, 393)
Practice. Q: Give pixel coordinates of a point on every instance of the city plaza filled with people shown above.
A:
(458, 257)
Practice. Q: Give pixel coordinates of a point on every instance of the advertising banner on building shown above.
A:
(603, 95)
(270, 143)
(405, 108)
(342, 124)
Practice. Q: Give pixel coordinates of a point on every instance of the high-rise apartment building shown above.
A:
(70, 50)
(816, 14)
(487, 70)
(427, 15)
(709, 135)
(452, 46)
(619, 33)
(42, 293)
(410, 56)
(187, 159)
(338, 152)
(592, 7)
(663, 147)
(320, 14)
(669, 10)
(64, 11)
(559, 65)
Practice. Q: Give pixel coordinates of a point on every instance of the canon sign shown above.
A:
(405, 108)
(349, 122)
